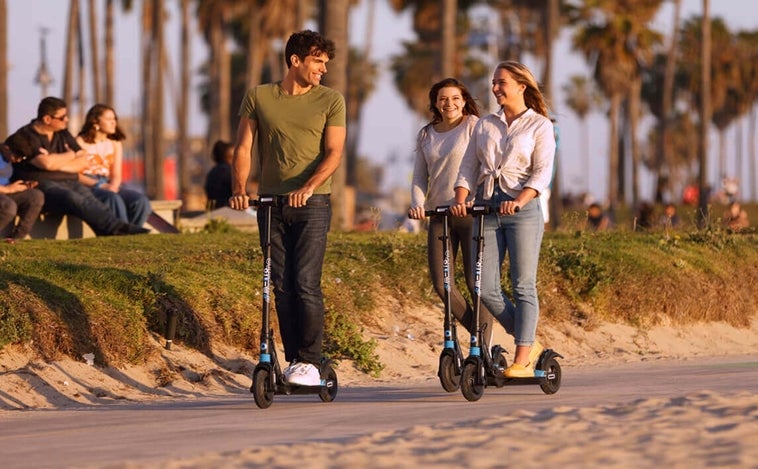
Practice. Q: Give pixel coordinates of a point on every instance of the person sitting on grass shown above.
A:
(50, 155)
(17, 198)
(101, 138)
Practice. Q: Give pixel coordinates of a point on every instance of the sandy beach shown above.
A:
(692, 429)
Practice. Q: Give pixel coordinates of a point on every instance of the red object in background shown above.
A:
(691, 195)
(170, 185)
(134, 173)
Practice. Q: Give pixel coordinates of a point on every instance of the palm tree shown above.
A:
(109, 81)
(582, 97)
(4, 73)
(721, 78)
(613, 38)
(153, 65)
(748, 47)
(667, 99)
(448, 38)
(361, 79)
(94, 40)
(182, 140)
(411, 69)
(333, 19)
(643, 41)
(72, 34)
(705, 112)
(220, 69)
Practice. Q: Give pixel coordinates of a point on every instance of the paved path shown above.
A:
(160, 431)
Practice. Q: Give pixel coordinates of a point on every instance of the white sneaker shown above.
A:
(303, 374)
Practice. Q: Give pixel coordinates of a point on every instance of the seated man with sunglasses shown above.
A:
(50, 155)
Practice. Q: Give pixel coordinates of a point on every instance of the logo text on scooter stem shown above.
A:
(266, 279)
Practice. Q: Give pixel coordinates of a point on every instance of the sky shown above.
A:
(389, 127)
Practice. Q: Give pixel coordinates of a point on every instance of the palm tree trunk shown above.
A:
(664, 145)
(71, 34)
(255, 45)
(334, 24)
(4, 74)
(448, 32)
(722, 154)
(705, 114)
(634, 112)
(94, 40)
(613, 154)
(183, 104)
(158, 95)
(220, 79)
(551, 29)
(751, 150)
(353, 141)
(78, 117)
(586, 152)
(110, 69)
(148, 100)
(302, 15)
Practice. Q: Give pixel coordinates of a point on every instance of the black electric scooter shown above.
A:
(268, 378)
(482, 369)
(451, 358)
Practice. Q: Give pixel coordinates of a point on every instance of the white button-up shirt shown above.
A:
(515, 157)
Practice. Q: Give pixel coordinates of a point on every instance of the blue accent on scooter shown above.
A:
(476, 352)
(265, 358)
(449, 344)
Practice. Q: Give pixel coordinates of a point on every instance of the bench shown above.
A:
(53, 226)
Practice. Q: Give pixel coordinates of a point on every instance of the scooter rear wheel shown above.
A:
(499, 365)
(472, 384)
(263, 390)
(450, 379)
(552, 381)
(329, 391)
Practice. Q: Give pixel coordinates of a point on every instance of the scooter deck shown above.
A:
(283, 388)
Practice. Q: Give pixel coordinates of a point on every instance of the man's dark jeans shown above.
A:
(73, 198)
(298, 245)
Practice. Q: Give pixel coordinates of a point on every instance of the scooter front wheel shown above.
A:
(551, 383)
(472, 384)
(263, 389)
(329, 391)
(450, 377)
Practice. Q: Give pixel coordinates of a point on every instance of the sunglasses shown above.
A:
(60, 118)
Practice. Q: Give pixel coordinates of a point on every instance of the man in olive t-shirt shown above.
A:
(300, 130)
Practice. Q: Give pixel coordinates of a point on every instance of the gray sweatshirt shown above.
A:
(438, 158)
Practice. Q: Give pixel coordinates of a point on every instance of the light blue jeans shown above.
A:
(520, 236)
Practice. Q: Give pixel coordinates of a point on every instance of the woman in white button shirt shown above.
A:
(508, 163)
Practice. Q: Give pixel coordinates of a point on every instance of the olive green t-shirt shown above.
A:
(290, 134)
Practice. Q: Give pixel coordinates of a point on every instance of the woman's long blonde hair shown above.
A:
(532, 95)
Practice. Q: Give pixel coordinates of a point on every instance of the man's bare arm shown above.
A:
(68, 162)
(241, 163)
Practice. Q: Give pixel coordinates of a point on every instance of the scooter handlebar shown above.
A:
(484, 209)
(473, 210)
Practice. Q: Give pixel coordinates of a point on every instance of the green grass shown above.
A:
(108, 295)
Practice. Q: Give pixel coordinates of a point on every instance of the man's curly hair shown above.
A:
(305, 43)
